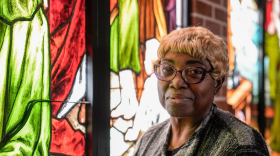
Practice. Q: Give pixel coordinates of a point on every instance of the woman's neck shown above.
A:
(182, 130)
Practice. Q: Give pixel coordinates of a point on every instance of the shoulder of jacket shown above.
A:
(243, 133)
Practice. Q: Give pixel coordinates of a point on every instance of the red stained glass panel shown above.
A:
(65, 66)
(113, 3)
(59, 13)
(56, 42)
(65, 140)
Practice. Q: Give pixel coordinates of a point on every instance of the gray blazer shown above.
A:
(220, 134)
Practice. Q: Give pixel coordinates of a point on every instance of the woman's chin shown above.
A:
(178, 112)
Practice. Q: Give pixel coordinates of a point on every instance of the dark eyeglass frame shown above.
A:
(181, 72)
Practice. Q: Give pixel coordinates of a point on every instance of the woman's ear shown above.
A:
(218, 84)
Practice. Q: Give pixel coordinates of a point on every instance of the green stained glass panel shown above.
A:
(27, 79)
(125, 38)
(129, 35)
(16, 9)
(114, 45)
(4, 49)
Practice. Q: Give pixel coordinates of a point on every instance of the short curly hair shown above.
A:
(200, 43)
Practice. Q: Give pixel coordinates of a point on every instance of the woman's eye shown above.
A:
(167, 69)
(195, 71)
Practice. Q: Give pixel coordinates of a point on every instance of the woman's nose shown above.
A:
(178, 82)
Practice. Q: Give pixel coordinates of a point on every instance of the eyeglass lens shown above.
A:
(168, 73)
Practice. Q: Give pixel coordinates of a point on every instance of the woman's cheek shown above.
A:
(161, 94)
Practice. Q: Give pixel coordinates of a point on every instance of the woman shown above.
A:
(191, 68)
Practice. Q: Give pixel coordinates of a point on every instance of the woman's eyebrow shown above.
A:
(167, 60)
(194, 62)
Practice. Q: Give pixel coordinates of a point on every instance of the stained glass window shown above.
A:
(244, 52)
(67, 46)
(136, 29)
(271, 68)
(246, 63)
(25, 67)
(42, 57)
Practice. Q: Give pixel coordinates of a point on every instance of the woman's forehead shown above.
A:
(176, 57)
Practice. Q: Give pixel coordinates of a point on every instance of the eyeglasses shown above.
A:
(191, 75)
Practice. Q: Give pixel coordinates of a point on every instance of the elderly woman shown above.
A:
(191, 68)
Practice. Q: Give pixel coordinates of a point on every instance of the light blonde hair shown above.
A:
(200, 43)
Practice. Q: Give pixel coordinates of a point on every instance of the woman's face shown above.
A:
(186, 100)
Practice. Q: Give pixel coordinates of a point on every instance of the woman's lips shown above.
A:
(178, 98)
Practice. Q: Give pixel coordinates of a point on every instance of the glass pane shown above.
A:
(244, 42)
(67, 47)
(42, 57)
(24, 55)
(134, 98)
(272, 77)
